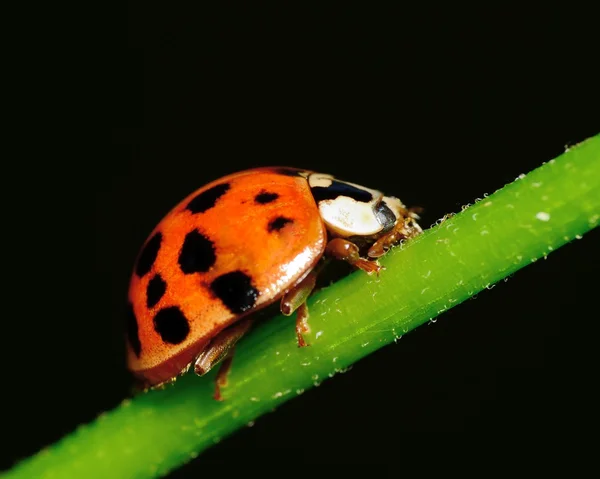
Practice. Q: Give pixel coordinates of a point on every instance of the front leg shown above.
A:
(345, 250)
(403, 230)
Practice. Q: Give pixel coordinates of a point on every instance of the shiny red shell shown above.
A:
(227, 250)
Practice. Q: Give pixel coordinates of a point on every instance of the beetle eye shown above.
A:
(385, 216)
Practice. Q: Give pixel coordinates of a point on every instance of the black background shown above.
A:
(435, 105)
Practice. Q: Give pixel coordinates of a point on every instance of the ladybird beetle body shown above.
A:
(237, 245)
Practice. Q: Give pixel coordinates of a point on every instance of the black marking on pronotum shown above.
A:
(278, 223)
(337, 188)
(385, 216)
(206, 200)
(132, 331)
(172, 325)
(236, 291)
(197, 253)
(155, 290)
(148, 255)
(265, 197)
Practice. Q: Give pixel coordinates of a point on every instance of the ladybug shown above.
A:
(237, 245)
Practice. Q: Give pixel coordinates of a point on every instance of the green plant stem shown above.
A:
(524, 221)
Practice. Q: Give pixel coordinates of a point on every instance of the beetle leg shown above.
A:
(403, 230)
(347, 251)
(295, 300)
(221, 348)
(221, 379)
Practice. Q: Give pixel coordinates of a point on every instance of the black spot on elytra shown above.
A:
(155, 290)
(132, 331)
(287, 171)
(236, 291)
(207, 199)
(148, 255)
(265, 197)
(278, 223)
(172, 325)
(338, 188)
(197, 253)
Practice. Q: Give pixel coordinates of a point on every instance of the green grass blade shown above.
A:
(159, 431)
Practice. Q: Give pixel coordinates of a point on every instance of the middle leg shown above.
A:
(295, 300)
